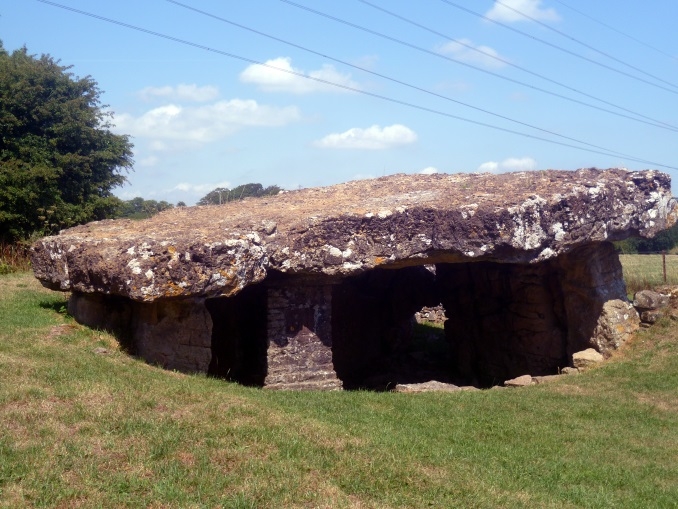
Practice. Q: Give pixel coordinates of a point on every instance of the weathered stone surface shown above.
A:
(174, 334)
(318, 288)
(617, 322)
(586, 359)
(349, 228)
(569, 371)
(300, 338)
(648, 299)
(671, 291)
(431, 386)
(650, 316)
(521, 381)
(431, 314)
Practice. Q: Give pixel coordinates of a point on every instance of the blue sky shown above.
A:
(202, 119)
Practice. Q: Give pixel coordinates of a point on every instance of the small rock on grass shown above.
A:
(649, 299)
(521, 381)
(650, 316)
(586, 358)
(430, 386)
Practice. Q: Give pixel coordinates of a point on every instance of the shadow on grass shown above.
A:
(60, 306)
(57, 305)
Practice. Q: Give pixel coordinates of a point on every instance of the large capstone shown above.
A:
(317, 288)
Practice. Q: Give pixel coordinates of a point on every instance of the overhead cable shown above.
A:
(605, 152)
(651, 121)
(516, 66)
(559, 48)
(389, 78)
(582, 43)
(620, 32)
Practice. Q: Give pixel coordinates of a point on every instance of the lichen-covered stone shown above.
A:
(318, 288)
(521, 381)
(586, 359)
(650, 316)
(349, 228)
(616, 323)
(430, 386)
(650, 300)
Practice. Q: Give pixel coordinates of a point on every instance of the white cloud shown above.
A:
(270, 79)
(532, 8)
(198, 189)
(466, 51)
(490, 166)
(202, 124)
(519, 164)
(372, 138)
(429, 171)
(510, 164)
(181, 92)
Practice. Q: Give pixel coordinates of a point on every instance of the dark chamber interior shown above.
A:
(239, 336)
(503, 320)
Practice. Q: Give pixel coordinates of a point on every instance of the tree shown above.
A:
(222, 195)
(138, 208)
(665, 240)
(215, 197)
(59, 159)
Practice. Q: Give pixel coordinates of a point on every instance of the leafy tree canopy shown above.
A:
(59, 160)
(665, 240)
(222, 195)
(138, 208)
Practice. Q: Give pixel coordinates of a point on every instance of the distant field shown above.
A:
(644, 271)
(85, 425)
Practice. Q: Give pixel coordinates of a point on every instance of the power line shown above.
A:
(620, 32)
(609, 153)
(389, 78)
(582, 43)
(559, 48)
(653, 122)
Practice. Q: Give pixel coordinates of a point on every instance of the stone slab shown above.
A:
(349, 228)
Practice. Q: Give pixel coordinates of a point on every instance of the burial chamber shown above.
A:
(316, 288)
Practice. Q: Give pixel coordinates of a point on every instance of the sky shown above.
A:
(305, 93)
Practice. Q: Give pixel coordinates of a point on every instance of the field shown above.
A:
(646, 271)
(85, 425)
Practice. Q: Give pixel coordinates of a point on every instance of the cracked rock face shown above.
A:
(344, 230)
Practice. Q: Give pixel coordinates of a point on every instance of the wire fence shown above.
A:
(648, 270)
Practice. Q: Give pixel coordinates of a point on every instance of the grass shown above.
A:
(85, 425)
(14, 258)
(646, 271)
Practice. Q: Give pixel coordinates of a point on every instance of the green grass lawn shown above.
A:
(85, 425)
(645, 271)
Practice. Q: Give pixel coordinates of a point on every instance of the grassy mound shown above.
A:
(85, 425)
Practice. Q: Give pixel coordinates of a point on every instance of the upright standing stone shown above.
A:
(300, 337)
